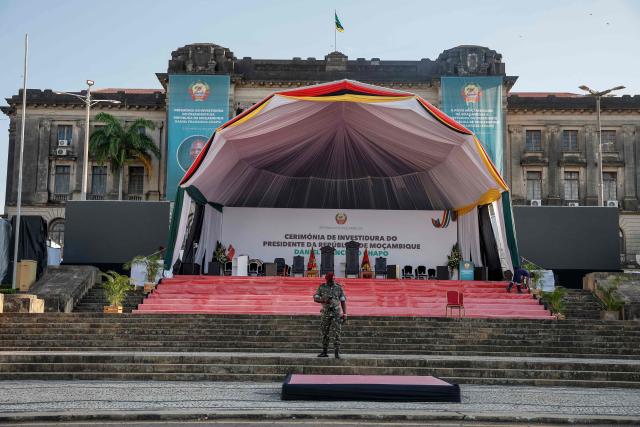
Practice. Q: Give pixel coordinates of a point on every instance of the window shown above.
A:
(62, 179)
(571, 182)
(99, 180)
(570, 140)
(609, 179)
(136, 180)
(56, 231)
(533, 140)
(65, 132)
(534, 185)
(609, 140)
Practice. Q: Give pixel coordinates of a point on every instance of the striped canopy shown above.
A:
(346, 145)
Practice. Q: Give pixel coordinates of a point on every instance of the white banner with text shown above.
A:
(403, 237)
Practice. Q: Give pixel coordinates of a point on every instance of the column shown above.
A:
(78, 151)
(42, 178)
(514, 143)
(630, 198)
(553, 152)
(591, 150)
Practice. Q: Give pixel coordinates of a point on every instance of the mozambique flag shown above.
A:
(339, 26)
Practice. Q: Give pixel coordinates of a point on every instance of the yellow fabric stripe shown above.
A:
(490, 196)
(248, 116)
(350, 98)
(489, 165)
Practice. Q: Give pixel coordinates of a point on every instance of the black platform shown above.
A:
(398, 388)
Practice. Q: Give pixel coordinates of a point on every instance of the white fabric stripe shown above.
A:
(469, 237)
(209, 236)
(182, 228)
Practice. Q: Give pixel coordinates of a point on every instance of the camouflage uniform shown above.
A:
(330, 317)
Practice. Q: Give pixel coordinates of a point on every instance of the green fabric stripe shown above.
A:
(510, 229)
(200, 199)
(173, 229)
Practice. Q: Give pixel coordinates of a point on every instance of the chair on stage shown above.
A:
(327, 254)
(282, 269)
(431, 273)
(298, 266)
(407, 272)
(254, 267)
(421, 272)
(228, 268)
(352, 267)
(455, 299)
(380, 267)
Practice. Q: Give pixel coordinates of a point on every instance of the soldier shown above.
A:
(332, 297)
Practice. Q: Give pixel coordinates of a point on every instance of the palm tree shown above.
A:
(117, 143)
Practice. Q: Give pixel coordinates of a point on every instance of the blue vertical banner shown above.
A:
(198, 104)
(476, 103)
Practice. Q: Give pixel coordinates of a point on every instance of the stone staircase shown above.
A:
(583, 352)
(581, 304)
(94, 301)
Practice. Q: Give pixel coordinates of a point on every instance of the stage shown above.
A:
(365, 297)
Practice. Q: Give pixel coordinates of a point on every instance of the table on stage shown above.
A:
(366, 274)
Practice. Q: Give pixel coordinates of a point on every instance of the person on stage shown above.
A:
(332, 297)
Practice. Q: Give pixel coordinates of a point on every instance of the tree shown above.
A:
(117, 144)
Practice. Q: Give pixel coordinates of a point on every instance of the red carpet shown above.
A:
(365, 297)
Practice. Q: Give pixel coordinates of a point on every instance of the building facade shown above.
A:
(551, 139)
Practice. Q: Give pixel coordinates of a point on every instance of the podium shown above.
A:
(240, 266)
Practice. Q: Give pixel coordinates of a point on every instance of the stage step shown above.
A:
(274, 367)
(366, 297)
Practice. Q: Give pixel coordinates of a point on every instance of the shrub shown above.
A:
(115, 287)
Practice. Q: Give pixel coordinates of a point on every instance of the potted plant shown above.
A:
(535, 274)
(607, 295)
(453, 260)
(555, 302)
(152, 265)
(115, 288)
(219, 259)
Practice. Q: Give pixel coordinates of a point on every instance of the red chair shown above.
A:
(455, 299)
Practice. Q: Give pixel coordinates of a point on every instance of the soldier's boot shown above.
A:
(337, 353)
(324, 353)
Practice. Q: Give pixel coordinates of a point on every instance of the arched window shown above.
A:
(56, 231)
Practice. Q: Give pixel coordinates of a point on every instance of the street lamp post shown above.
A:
(85, 155)
(597, 95)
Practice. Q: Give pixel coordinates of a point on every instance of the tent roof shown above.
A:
(345, 144)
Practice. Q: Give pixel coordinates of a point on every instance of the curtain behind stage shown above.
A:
(469, 237)
(210, 235)
(488, 244)
(194, 235)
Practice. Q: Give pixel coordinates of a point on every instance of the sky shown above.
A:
(553, 46)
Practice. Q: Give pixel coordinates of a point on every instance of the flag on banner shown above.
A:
(339, 26)
(311, 265)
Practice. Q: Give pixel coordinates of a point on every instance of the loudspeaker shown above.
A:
(190, 268)
(215, 269)
(393, 271)
(270, 269)
(442, 272)
(481, 273)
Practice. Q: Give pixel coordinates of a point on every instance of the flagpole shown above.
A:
(19, 201)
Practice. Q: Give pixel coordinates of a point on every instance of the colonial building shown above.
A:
(550, 143)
